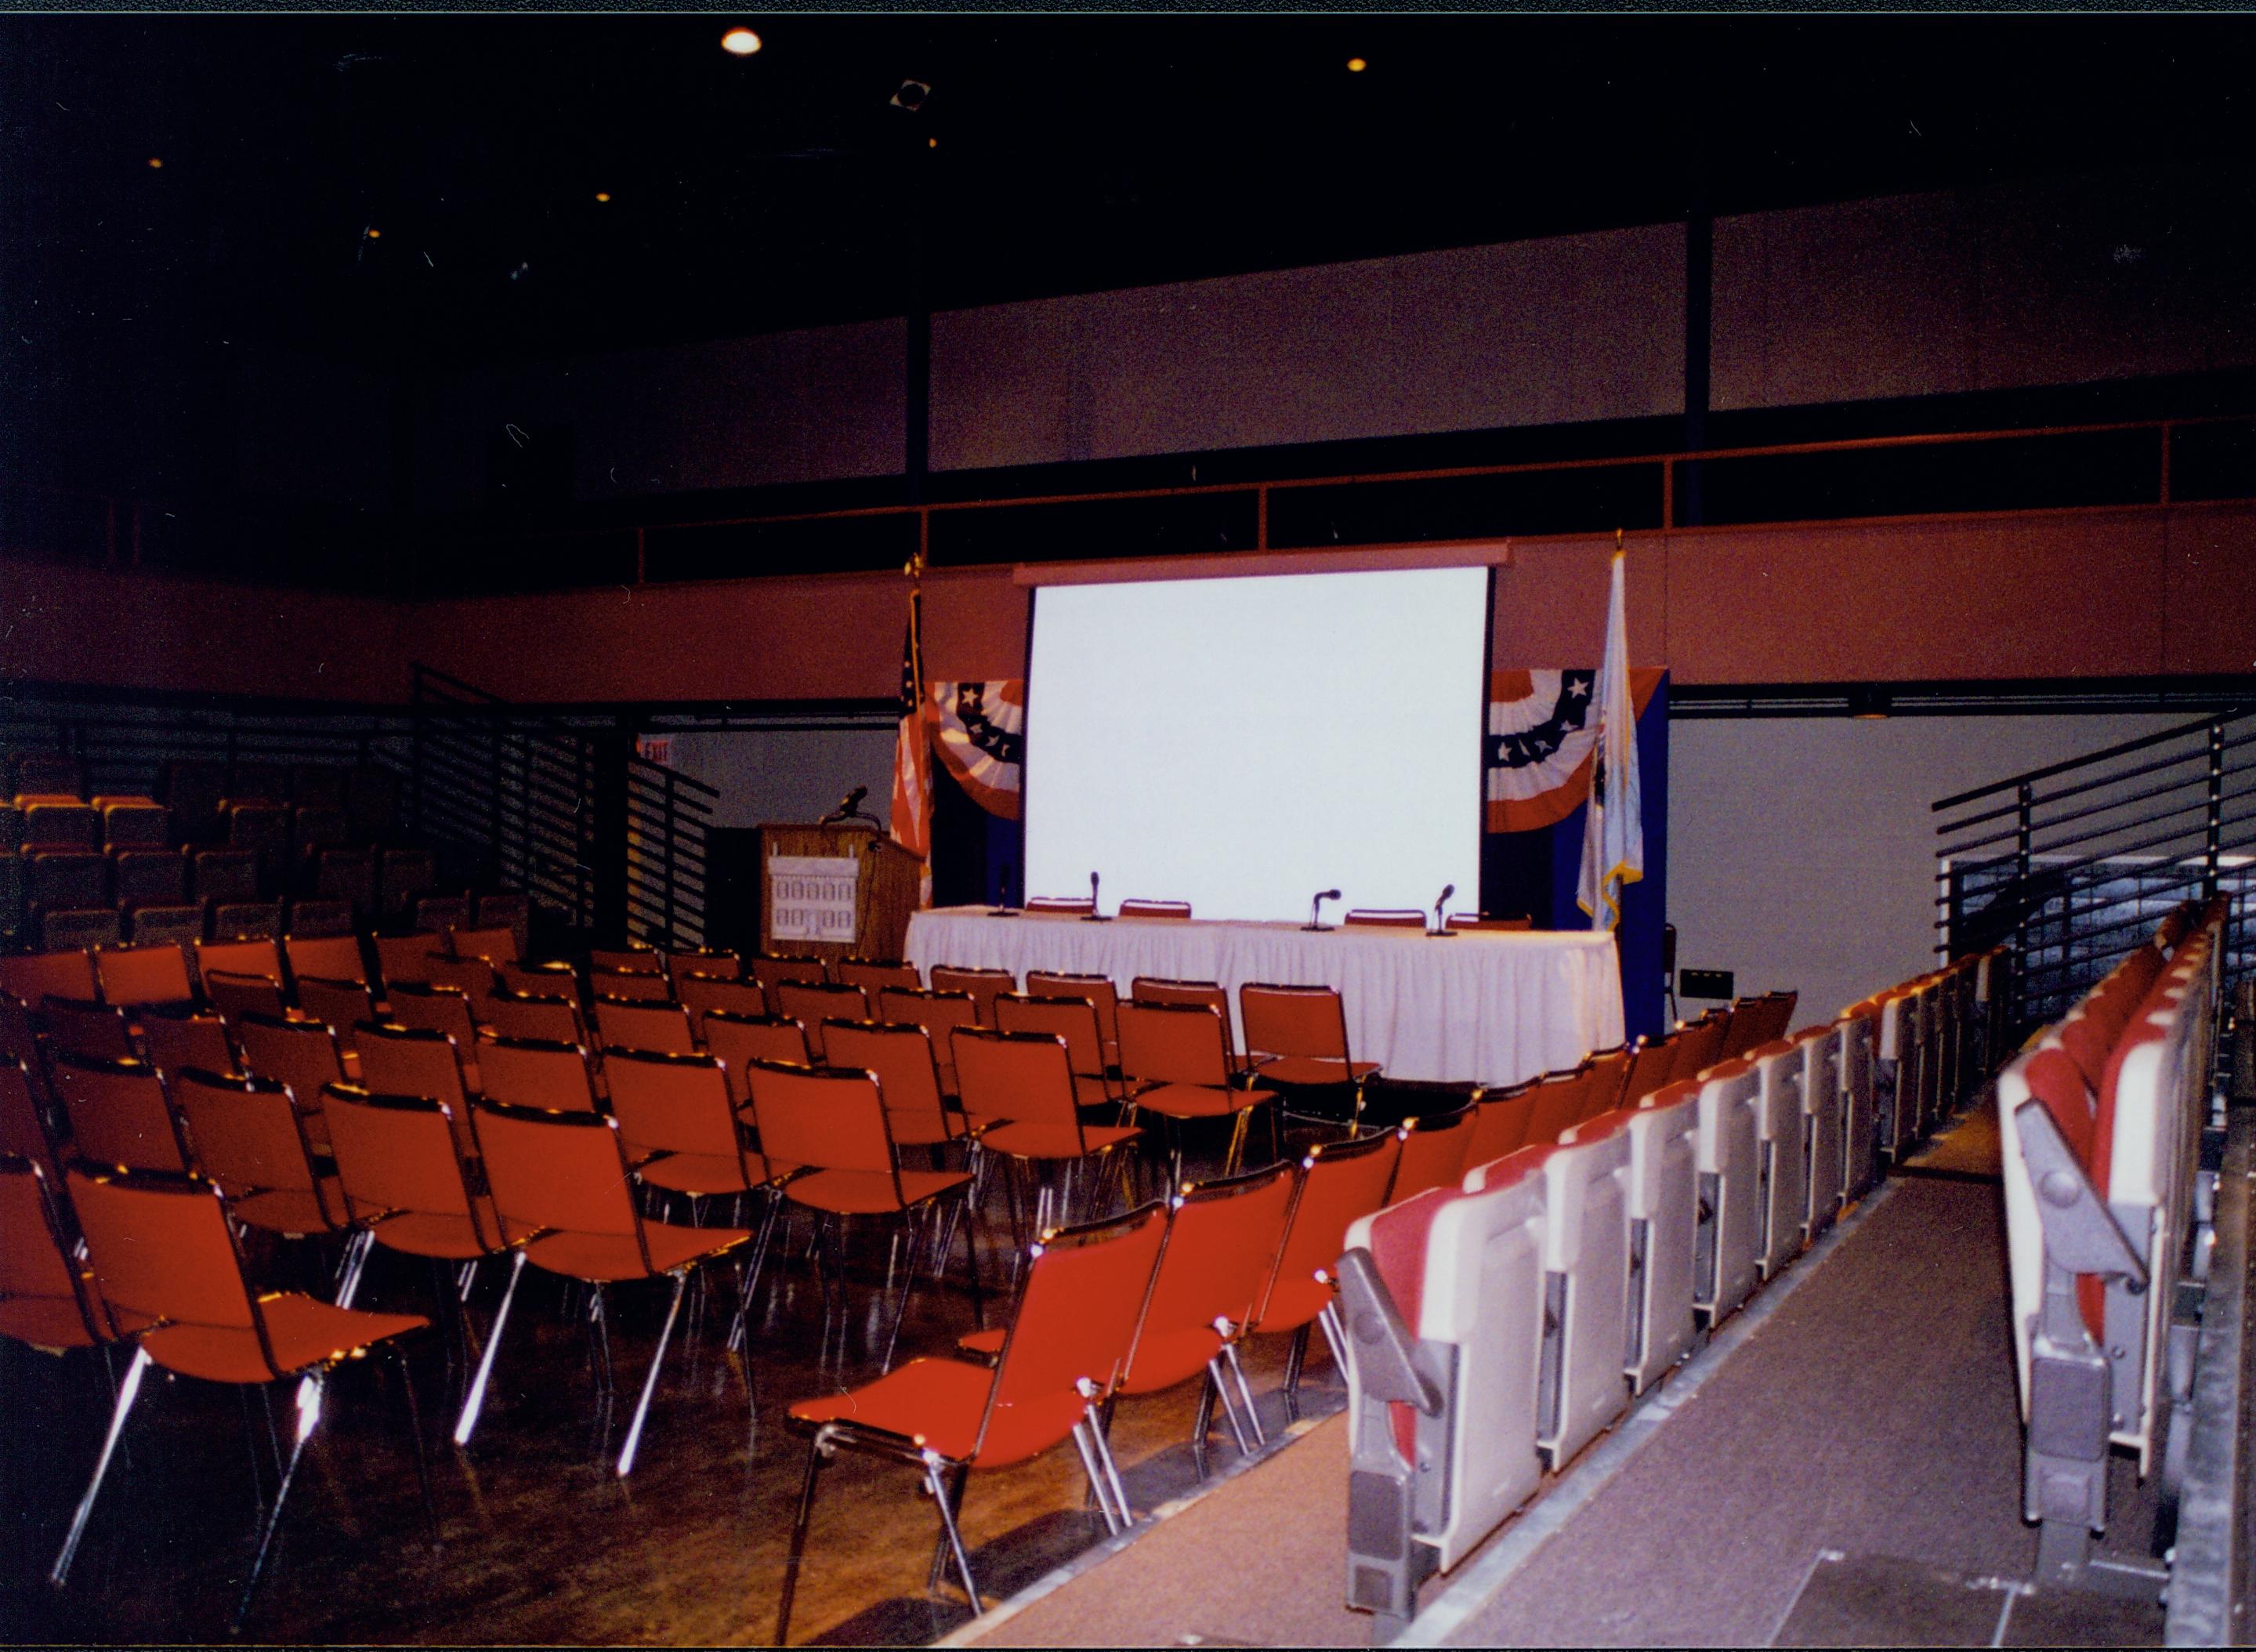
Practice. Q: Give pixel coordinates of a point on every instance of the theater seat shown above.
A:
(1784, 1134)
(1824, 1119)
(1444, 1295)
(1727, 1243)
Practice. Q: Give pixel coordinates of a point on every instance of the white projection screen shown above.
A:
(1243, 742)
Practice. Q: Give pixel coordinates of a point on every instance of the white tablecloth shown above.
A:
(1488, 1007)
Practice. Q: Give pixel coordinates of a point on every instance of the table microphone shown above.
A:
(1440, 929)
(1315, 905)
(1093, 916)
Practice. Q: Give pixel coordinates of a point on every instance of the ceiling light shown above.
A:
(1356, 65)
(373, 233)
(157, 161)
(740, 42)
(911, 96)
(931, 143)
(602, 194)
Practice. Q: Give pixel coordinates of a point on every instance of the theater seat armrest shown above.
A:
(1386, 1354)
(2080, 1234)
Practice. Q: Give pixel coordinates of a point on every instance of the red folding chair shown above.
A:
(561, 1179)
(940, 1012)
(738, 1041)
(1175, 1058)
(119, 1114)
(983, 986)
(1084, 1290)
(46, 1301)
(165, 1263)
(1339, 1182)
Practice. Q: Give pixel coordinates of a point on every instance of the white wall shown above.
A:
(1801, 850)
(771, 777)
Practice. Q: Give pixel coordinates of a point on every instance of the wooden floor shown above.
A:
(540, 1541)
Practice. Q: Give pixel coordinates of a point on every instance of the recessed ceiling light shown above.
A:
(157, 161)
(1356, 65)
(602, 194)
(374, 233)
(931, 143)
(740, 42)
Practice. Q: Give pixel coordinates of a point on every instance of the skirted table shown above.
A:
(1487, 1006)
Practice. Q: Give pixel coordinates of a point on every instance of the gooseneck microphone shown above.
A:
(1316, 907)
(1441, 925)
(851, 810)
(1093, 916)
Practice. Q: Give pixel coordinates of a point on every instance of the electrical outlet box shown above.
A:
(1704, 983)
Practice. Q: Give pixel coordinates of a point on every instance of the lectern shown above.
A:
(835, 892)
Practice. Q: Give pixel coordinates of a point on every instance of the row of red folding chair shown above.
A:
(1130, 1304)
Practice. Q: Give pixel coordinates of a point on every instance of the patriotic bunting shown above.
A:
(980, 730)
(1541, 732)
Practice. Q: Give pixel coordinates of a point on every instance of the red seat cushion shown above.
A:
(1313, 1069)
(303, 1331)
(45, 1322)
(431, 1234)
(939, 1404)
(291, 1210)
(1201, 1101)
(1294, 1303)
(608, 1256)
(870, 1192)
(696, 1173)
(1055, 1141)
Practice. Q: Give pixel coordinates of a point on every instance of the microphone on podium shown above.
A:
(1093, 916)
(851, 810)
(1441, 925)
(1316, 907)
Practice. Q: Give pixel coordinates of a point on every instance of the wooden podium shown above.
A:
(835, 892)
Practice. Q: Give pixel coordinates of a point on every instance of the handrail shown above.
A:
(2061, 767)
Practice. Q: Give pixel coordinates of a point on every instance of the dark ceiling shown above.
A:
(423, 190)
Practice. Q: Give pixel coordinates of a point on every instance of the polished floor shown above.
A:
(540, 1541)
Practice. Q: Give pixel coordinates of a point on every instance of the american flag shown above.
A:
(912, 810)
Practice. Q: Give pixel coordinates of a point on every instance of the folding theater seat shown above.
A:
(1660, 1204)
(262, 830)
(1444, 1298)
(1993, 988)
(59, 825)
(1783, 1131)
(314, 828)
(1076, 1317)
(226, 881)
(1756, 1021)
(1897, 1045)
(49, 777)
(347, 875)
(1824, 1121)
(1699, 1046)
(66, 897)
(2095, 1258)
(1856, 1031)
(153, 877)
(193, 790)
(180, 926)
(1729, 1240)
(135, 825)
(320, 916)
(402, 875)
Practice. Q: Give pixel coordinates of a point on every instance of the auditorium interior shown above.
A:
(725, 743)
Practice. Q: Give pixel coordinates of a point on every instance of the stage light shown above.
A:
(1356, 65)
(931, 143)
(373, 233)
(602, 194)
(740, 42)
(911, 96)
(157, 162)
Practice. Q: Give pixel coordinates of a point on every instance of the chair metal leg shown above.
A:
(1237, 1153)
(1327, 1322)
(817, 1449)
(415, 1434)
(739, 1335)
(939, 1568)
(955, 1537)
(1295, 1361)
(127, 1391)
(309, 1418)
(1202, 1425)
(1099, 1487)
(349, 1266)
(650, 1382)
(1100, 1436)
(1252, 1412)
(1217, 1390)
(475, 1400)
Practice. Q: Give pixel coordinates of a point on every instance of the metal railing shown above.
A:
(561, 807)
(2076, 863)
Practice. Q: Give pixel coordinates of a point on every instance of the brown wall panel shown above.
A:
(2033, 597)
(2209, 617)
(164, 633)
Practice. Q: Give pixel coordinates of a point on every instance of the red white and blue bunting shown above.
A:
(1540, 735)
(979, 730)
